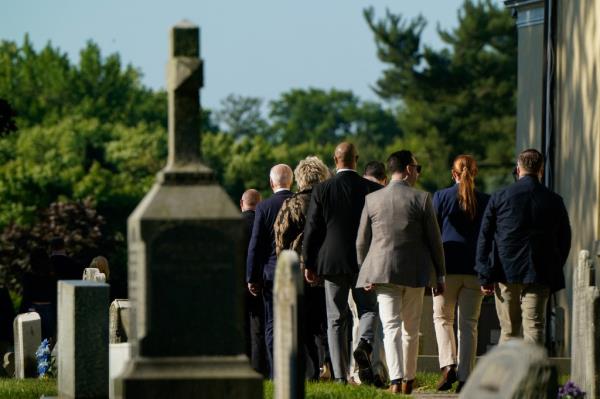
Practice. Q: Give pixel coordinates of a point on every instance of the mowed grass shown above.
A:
(29, 388)
(33, 388)
(327, 390)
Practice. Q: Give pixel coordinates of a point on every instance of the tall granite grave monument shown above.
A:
(186, 263)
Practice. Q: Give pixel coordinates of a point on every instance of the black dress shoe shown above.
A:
(362, 356)
(460, 386)
(447, 378)
(407, 386)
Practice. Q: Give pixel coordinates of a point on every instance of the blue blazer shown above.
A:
(261, 260)
(525, 236)
(459, 232)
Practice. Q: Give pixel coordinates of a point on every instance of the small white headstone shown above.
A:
(100, 278)
(118, 356)
(89, 273)
(28, 336)
(119, 321)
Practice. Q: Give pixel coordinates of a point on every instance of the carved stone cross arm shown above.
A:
(184, 80)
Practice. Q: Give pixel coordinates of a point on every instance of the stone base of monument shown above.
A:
(194, 377)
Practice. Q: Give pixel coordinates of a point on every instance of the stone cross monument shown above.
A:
(186, 263)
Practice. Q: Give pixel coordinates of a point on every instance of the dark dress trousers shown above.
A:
(459, 232)
(254, 316)
(525, 236)
(261, 261)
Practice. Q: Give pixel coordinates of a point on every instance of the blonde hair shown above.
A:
(310, 171)
(465, 167)
(101, 263)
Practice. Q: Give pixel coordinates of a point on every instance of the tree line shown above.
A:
(89, 133)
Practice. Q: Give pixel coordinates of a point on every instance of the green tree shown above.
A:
(44, 87)
(464, 94)
(241, 116)
(7, 118)
(328, 116)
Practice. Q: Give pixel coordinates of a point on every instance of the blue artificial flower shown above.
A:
(43, 359)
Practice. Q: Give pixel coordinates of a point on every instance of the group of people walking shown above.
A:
(383, 244)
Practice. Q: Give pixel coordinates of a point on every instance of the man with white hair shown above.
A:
(261, 260)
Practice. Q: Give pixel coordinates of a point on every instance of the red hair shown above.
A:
(465, 167)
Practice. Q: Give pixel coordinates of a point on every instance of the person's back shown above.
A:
(341, 201)
(400, 248)
(63, 266)
(523, 244)
(529, 220)
(459, 231)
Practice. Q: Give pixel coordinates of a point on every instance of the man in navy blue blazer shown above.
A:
(261, 260)
(523, 245)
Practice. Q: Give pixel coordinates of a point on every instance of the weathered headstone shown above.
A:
(93, 274)
(515, 369)
(185, 263)
(8, 364)
(83, 338)
(89, 273)
(28, 336)
(288, 294)
(118, 356)
(119, 321)
(585, 347)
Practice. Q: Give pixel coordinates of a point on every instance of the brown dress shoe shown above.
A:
(407, 386)
(395, 388)
(447, 378)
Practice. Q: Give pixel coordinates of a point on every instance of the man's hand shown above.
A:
(369, 287)
(310, 276)
(487, 289)
(255, 288)
(439, 289)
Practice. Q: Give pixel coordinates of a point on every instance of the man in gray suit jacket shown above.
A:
(400, 252)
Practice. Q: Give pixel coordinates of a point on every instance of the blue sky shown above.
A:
(254, 48)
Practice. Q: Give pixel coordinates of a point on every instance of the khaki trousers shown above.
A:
(522, 305)
(462, 290)
(400, 310)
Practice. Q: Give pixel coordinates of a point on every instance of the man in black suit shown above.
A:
(254, 312)
(261, 260)
(329, 251)
(523, 244)
(63, 265)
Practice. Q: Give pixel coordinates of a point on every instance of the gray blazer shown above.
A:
(399, 239)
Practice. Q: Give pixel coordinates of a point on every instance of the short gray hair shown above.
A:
(310, 171)
(282, 175)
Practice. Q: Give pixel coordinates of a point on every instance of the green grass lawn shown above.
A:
(34, 388)
(326, 390)
(29, 388)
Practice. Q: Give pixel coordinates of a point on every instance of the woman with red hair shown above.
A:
(459, 212)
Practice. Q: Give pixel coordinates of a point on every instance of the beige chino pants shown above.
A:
(462, 290)
(400, 310)
(522, 305)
